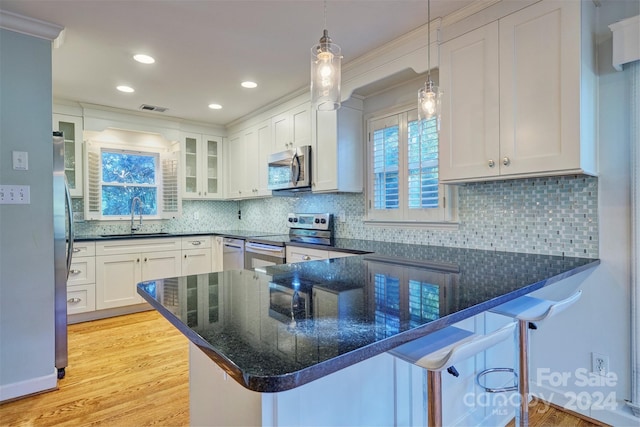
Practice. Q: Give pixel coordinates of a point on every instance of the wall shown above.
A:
(26, 231)
(601, 321)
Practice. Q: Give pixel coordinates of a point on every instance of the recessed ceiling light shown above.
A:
(126, 89)
(249, 85)
(215, 106)
(144, 59)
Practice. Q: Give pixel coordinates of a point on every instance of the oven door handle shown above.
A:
(259, 247)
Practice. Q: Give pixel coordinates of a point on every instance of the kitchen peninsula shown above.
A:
(305, 344)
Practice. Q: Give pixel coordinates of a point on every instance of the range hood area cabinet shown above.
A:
(337, 144)
(519, 96)
(201, 166)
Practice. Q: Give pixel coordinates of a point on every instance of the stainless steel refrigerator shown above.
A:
(62, 249)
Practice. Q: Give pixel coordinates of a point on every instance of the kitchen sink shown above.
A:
(161, 233)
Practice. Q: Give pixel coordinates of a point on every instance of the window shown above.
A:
(115, 176)
(127, 175)
(402, 180)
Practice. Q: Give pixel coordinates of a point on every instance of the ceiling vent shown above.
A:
(147, 107)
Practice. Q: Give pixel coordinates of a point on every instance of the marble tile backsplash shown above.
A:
(554, 216)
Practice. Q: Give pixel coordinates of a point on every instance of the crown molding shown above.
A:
(29, 26)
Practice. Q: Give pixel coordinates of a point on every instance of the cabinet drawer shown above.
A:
(82, 272)
(196, 242)
(82, 249)
(130, 246)
(296, 254)
(81, 298)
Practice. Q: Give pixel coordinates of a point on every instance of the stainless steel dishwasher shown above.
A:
(232, 254)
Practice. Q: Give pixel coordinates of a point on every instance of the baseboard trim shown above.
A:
(28, 387)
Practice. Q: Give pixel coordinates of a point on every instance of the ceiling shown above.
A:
(204, 49)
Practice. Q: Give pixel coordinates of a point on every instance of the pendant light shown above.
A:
(325, 72)
(429, 96)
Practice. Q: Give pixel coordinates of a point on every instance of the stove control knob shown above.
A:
(323, 221)
(295, 219)
(290, 219)
(317, 220)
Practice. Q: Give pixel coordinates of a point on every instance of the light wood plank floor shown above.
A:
(133, 371)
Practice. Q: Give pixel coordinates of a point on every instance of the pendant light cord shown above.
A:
(325, 14)
(428, 40)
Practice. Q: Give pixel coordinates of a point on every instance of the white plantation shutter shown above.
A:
(92, 196)
(170, 194)
(403, 170)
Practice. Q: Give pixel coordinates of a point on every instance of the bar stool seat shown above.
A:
(525, 310)
(442, 349)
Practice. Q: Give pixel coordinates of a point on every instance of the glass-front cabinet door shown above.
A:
(71, 128)
(213, 146)
(201, 166)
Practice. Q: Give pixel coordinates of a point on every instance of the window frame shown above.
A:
(444, 216)
(165, 182)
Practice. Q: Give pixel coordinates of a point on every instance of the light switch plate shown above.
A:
(15, 194)
(20, 160)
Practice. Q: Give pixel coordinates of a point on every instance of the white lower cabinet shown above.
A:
(130, 262)
(196, 255)
(217, 253)
(81, 283)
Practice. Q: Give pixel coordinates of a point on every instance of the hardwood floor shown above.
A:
(133, 371)
(124, 371)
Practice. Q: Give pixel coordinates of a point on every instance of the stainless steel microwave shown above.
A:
(290, 169)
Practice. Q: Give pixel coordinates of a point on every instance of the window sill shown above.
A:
(433, 225)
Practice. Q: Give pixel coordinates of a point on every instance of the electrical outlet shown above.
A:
(196, 215)
(342, 217)
(599, 364)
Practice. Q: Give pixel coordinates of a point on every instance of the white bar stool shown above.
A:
(525, 310)
(442, 349)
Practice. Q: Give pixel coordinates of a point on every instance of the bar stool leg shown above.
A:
(434, 398)
(522, 415)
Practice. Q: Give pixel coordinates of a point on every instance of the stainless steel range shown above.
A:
(311, 228)
(263, 251)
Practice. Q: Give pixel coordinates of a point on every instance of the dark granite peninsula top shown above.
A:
(291, 324)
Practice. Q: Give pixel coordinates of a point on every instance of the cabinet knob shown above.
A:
(138, 260)
(145, 260)
(491, 163)
(76, 250)
(75, 271)
(185, 256)
(73, 300)
(306, 257)
(196, 242)
(506, 161)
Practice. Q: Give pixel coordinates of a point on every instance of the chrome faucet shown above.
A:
(133, 207)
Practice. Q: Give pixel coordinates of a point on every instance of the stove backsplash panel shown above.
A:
(555, 216)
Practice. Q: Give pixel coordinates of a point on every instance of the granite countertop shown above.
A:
(344, 310)
(239, 234)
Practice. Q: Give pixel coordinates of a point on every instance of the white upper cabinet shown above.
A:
(337, 150)
(248, 152)
(202, 166)
(519, 96)
(71, 127)
(292, 128)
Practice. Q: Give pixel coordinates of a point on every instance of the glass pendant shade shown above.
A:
(429, 101)
(325, 74)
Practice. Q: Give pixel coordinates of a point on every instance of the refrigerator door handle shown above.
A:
(71, 235)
